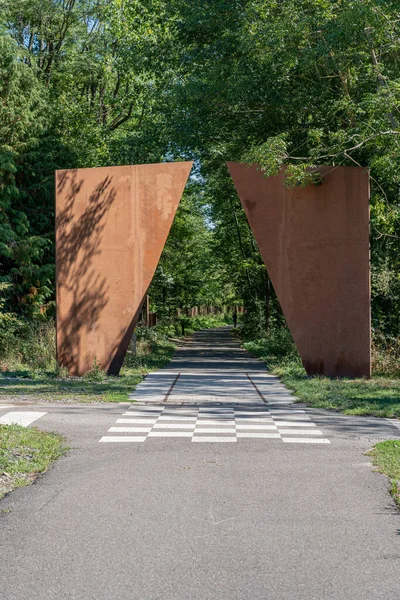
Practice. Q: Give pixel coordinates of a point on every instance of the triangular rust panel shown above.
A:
(315, 245)
(111, 227)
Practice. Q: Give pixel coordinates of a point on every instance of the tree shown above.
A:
(21, 123)
(300, 84)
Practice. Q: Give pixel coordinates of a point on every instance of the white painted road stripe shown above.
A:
(21, 418)
(123, 438)
(174, 425)
(248, 426)
(250, 434)
(216, 409)
(150, 421)
(306, 440)
(295, 423)
(264, 420)
(215, 422)
(130, 429)
(277, 411)
(226, 417)
(215, 430)
(300, 431)
(170, 434)
(136, 413)
(184, 411)
(183, 418)
(213, 439)
(147, 408)
(241, 413)
(290, 418)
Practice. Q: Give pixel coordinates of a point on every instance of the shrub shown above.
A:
(30, 344)
(385, 354)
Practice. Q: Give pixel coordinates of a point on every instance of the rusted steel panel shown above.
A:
(315, 245)
(111, 227)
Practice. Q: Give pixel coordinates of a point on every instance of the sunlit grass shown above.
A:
(28, 384)
(25, 453)
(386, 457)
(378, 396)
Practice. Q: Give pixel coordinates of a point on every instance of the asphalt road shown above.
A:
(173, 520)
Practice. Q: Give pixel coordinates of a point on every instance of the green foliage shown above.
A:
(79, 85)
(386, 457)
(29, 368)
(385, 354)
(189, 274)
(26, 345)
(276, 346)
(25, 453)
(88, 83)
(96, 373)
(22, 105)
(295, 84)
(378, 396)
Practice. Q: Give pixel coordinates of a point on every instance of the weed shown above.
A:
(96, 373)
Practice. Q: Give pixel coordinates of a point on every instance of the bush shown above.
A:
(254, 322)
(278, 348)
(277, 343)
(385, 353)
(28, 344)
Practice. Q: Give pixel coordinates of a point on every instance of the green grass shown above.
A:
(25, 453)
(28, 369)
(33, 385)
(29, 372)
(378, 396)
(386, 457)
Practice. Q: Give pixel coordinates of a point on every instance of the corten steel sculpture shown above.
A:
(111, 226)
(315, 244)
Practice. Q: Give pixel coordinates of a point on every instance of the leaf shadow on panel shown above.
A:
(82, 291)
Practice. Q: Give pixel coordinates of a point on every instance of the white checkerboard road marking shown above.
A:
(221, 423)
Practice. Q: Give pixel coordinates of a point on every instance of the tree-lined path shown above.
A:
(174, 520)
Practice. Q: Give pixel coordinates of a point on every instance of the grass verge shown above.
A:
(386, 457)
(378, 396)
(30, 385)
(28, 371)
(25, 453)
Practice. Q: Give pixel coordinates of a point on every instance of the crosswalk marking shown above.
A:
(130, 429)
(257, 426)
(174, 425)
(215, 423)
(175, 418)
(306, 441)
(170, 434)
(124, 438)
(152, 421)
(295, 424)
(20, 417)
(253, 434)
(199, 438)
(300, 432)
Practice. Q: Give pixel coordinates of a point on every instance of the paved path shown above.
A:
(174, 520)
(213, 391)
